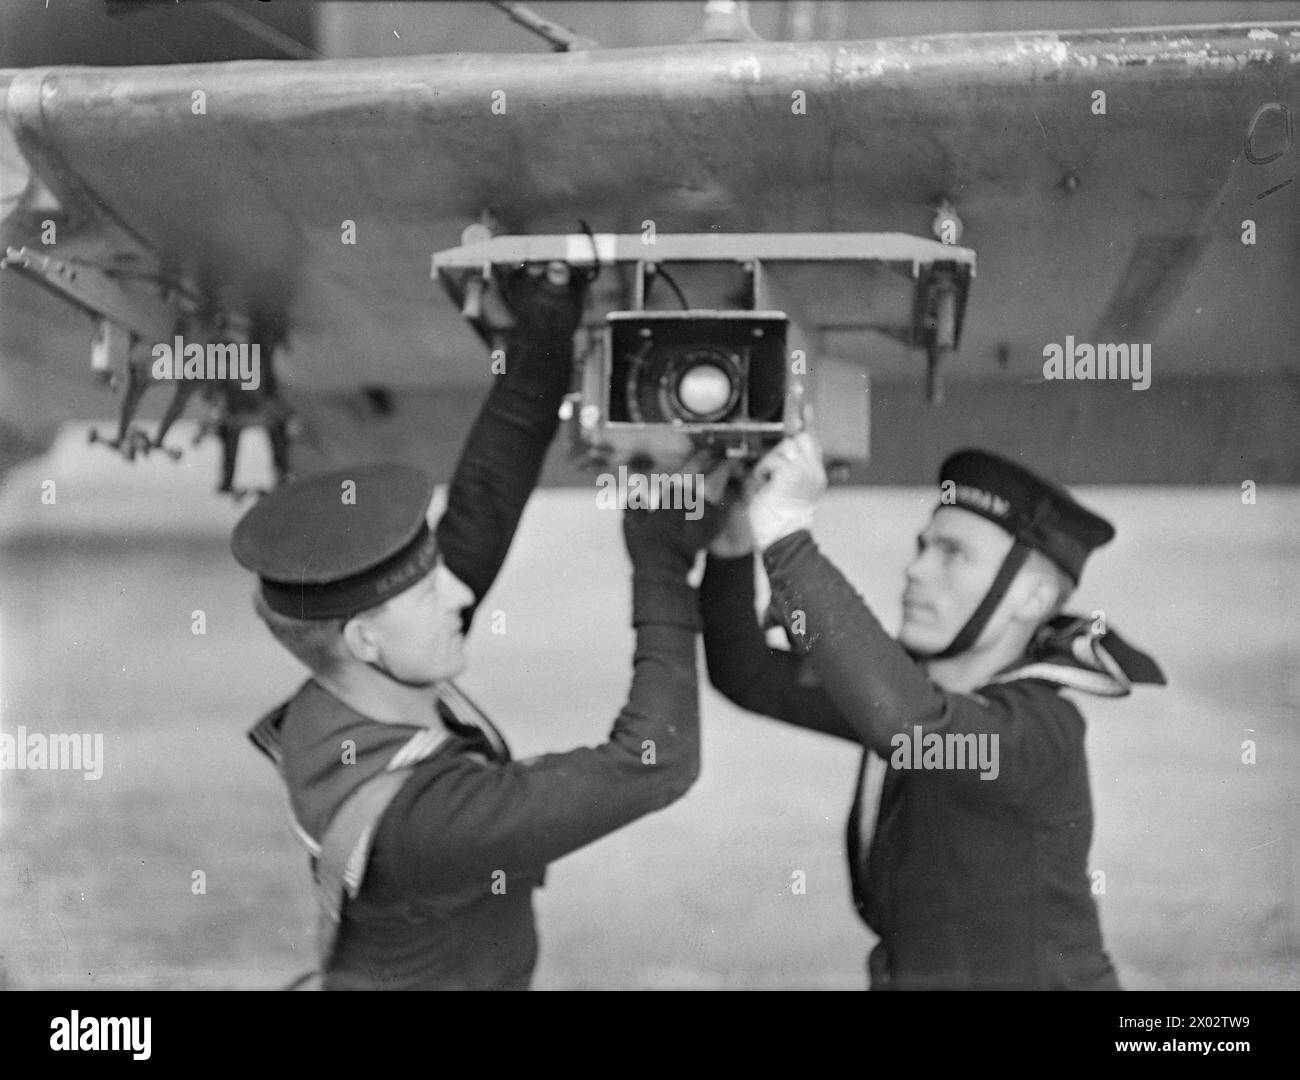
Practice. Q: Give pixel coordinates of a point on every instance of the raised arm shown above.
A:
(882, 692)
(741, 665)
(503, 455)
(458, 820)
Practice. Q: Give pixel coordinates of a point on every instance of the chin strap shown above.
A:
(969, 634)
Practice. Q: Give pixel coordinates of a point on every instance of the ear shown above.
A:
(360, 639)
(1036, 598)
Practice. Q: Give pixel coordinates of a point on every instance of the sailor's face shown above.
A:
(958, 555)
(420, 630)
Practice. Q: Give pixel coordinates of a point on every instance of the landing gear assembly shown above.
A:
(137, 321)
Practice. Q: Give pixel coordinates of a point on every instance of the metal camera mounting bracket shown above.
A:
(940, 273)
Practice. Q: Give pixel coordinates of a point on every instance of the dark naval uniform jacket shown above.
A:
(446, 901)
(968, 882)
(446, 877)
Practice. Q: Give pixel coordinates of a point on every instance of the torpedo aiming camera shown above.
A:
(661, 384)
(664, 384)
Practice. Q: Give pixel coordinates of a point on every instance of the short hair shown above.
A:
(315, 642)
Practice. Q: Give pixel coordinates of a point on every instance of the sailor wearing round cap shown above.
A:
(969, 834)
(426, 838)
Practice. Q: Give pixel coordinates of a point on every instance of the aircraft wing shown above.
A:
(1105, 180)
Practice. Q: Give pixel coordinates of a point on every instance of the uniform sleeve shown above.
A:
(458, 821)
(743, 668)
(886, 696)
(503, 457)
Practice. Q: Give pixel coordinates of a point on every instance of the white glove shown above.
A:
(787, 485)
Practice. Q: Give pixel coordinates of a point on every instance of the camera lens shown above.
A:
(699, 386)
(665, 377)
(704, 390)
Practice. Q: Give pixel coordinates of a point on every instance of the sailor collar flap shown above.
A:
(1078, 653)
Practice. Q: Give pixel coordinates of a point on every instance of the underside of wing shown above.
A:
(1104, 179)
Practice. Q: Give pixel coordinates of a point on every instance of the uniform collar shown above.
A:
(1083, 654)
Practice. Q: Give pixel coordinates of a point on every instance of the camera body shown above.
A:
(665, 384)
(734, 373)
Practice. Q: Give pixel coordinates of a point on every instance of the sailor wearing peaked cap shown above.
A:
(339, 542)
(427, 839)
(969, 835)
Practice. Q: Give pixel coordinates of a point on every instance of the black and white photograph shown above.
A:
(652, 495)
